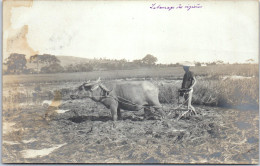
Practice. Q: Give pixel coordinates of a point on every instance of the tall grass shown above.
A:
(223, 93)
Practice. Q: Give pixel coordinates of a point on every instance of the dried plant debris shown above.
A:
(82, 131)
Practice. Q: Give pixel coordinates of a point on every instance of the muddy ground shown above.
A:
(82, 131)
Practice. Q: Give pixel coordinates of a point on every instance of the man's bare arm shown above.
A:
(195, 81)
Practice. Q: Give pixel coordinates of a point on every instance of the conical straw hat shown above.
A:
(186, 63)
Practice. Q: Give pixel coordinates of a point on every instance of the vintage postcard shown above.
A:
(162, 82)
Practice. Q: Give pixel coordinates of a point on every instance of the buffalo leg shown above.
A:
(114, 113)
(161, 112)
(147, 113)
(119, 116)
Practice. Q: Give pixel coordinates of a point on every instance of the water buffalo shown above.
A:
(126, 95)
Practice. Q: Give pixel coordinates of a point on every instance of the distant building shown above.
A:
(251, 61)
(219, 62)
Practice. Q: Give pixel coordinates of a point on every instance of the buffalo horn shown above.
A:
(88, 83)
(98, 80)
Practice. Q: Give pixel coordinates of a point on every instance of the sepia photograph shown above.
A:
(130, 82)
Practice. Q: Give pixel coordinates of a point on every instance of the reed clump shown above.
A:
(216, 92)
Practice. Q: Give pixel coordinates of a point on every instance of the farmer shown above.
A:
(188, 83)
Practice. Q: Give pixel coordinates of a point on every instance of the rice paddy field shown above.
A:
(225, 131)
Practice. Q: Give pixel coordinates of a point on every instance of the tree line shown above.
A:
(18, 64)
(46, 63)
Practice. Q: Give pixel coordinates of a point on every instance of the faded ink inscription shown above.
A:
(175, 7)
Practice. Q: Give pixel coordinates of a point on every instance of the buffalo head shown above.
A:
(85, 90)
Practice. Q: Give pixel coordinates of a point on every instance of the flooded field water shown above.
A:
(81, 131)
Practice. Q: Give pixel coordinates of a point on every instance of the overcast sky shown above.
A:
(220, 30)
